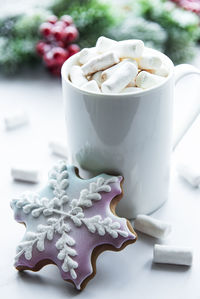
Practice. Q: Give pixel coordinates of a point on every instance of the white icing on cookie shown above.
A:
(59, 211)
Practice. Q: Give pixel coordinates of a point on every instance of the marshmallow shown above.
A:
(120, 79)
(131, 89)
(98, 78)
(108, 72)
(105, 44)
(132, 83)
(149, 62)
(151, 226)
(58, 148)
(130, 60)
(25, 174)
(91, 86)
(190, 173)
(76, 76)
(129, 48)
(172, 255)
(147, 80)
(100, 63)
(87, 54)
(163, 71)
(15, 120)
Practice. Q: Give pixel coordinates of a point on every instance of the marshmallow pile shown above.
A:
(117, 67)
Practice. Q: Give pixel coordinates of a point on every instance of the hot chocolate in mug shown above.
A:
(128, 134)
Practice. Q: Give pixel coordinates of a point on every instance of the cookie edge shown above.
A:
(96, 251)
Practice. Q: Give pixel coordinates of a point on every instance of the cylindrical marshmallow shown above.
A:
(100, 63)
(120, 79)
(76, 76)
(15, 120)
(129, 48)
(162, 71)
(131, 89)
(58, 148)
(87, 54)
(108, 72)
(132, 83)
(25, 174)
(105, 44)
(190, 173)
(149, 62)
(91, 86)
(167, 254)
(98, 78)
(146, 80)
(151, 226)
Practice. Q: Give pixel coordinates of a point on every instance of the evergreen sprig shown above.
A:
(181, 27)
(92, 18)
(159, 23)
(153, 35)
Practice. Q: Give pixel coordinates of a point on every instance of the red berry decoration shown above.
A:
(67, 20)
(46, 29)
(52, 19)
(49, 60)
(71, 33)
(58, 33)
(61, 24)
(192, 5)
(56, 45)
(73, 49)
(40, 48)
(60, 54)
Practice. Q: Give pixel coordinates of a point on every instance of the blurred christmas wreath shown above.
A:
(57, 29)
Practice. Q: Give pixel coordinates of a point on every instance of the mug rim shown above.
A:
(68, 62)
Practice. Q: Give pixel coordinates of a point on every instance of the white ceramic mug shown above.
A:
(128, 134)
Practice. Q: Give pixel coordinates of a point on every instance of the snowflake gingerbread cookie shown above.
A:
(69, 223)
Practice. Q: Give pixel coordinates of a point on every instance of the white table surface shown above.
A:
(127, 274)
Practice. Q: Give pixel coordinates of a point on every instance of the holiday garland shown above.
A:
(181, 26)
(160, 24)
(192, 5)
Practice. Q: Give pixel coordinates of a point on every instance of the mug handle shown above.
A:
(181, 71)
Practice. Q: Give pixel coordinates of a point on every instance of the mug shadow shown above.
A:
(63, 287)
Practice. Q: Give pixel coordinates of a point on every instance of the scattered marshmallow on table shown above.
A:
(146, 80)
(91, 86)
(100, 63)
(190, 173)
(26, 174)
(120, 79)
(151, 226)
(15, 120)
(105, 44)
(129, 48)
(76, 76)
(58, 148)
(149, 62)
(167, 254)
